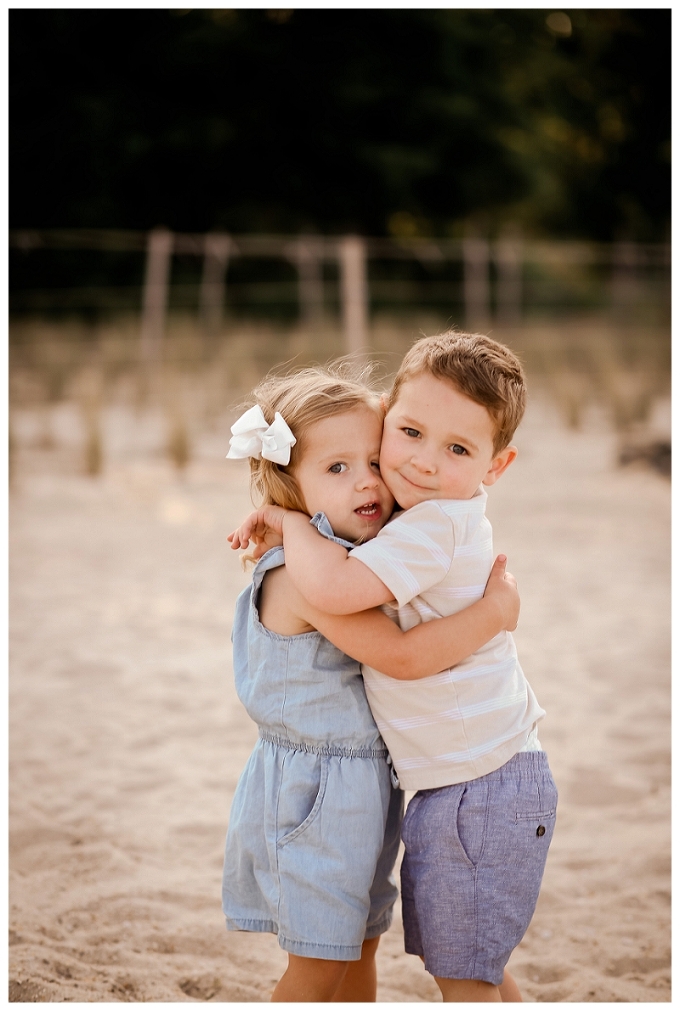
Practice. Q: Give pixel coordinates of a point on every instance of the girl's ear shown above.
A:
(383, 403)
(500, 463)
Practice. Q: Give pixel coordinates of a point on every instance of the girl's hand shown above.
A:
(264, 528)
(502, 588)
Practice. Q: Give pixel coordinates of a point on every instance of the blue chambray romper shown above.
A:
(314, 826)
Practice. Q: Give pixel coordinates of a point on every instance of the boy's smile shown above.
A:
(438, 443)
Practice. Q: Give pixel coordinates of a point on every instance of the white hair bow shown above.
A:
(252, 436)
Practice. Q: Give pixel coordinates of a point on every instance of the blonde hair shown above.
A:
(303, 398)
(481, 368)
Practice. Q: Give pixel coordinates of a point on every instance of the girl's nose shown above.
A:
(368, 479)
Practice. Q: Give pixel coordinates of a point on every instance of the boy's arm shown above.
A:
(323, 571)
(374, 639)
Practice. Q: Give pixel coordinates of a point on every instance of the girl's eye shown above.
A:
(412, 433)
(337, 468)
(376, 466)
(458, 449)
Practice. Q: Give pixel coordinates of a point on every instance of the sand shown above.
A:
(127, 738)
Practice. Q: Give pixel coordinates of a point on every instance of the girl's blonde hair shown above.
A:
(303, 398)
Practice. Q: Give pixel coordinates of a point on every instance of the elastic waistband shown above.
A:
(524, 764)
(322, 749)
(527, 765)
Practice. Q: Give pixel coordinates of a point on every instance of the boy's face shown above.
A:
(438, 443)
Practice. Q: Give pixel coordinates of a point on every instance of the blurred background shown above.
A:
(198, 195)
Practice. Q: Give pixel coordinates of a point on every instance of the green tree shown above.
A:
(401, 121)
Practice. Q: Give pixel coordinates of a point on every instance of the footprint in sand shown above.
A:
(200, 988)
(546, 973)
(640, 966)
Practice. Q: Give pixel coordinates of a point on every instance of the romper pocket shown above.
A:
(306, 792)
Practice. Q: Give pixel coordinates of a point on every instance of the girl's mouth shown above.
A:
(370, 511)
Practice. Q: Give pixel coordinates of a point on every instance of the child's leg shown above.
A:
(361, 981)
(455, 991)
(309, 979)
(510, 993)
(320, 979)
(460, 991)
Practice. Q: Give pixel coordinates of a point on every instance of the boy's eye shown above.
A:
(376, 465)
(458, 449)
(337, 468)
(412, 433)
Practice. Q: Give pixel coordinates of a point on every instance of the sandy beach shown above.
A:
(127, 738)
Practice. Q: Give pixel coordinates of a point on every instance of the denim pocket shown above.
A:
(316, 800)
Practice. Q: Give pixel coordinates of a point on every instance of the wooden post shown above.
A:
(308, 257)
(476, 281)
(354, 292)
(508, 255)
(217, 248)
(154, 305)
(625, 281)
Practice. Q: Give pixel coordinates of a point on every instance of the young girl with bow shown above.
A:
(314, 825)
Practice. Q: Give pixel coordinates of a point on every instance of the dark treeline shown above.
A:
(399, 122)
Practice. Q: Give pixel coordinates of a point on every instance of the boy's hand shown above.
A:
(264, 528)
(501, 586)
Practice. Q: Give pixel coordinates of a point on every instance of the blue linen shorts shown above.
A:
(472, 870)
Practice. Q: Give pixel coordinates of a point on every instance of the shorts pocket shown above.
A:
(311, 800)
(471, 822)
(406, 834)
(536, 800)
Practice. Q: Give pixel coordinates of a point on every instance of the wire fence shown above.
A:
(217, 276)
(142, 343)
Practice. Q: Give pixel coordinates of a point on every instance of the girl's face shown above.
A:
(339, 474)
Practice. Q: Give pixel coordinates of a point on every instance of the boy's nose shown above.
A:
(423, 462)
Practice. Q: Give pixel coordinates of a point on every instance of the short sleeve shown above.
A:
(412, 553)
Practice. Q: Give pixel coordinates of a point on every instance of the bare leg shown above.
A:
(509, 990)
(458, 991)
(309, 979)
(361, 980)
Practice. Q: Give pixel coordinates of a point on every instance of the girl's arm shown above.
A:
(374, 639)
(264, 528)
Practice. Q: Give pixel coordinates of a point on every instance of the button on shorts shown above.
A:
(472, 870)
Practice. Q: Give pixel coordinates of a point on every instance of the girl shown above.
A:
(314, 826)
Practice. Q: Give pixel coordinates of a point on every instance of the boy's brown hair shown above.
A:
(481, 368)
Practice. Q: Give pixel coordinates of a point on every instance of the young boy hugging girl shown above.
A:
(477, 831)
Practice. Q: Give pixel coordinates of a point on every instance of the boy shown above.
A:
(477, 831)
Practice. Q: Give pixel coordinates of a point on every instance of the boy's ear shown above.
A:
(500, 463)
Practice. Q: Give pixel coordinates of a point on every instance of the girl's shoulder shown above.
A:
(272, 559)
(280, 606)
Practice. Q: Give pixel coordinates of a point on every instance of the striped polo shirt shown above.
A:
(469, 720)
